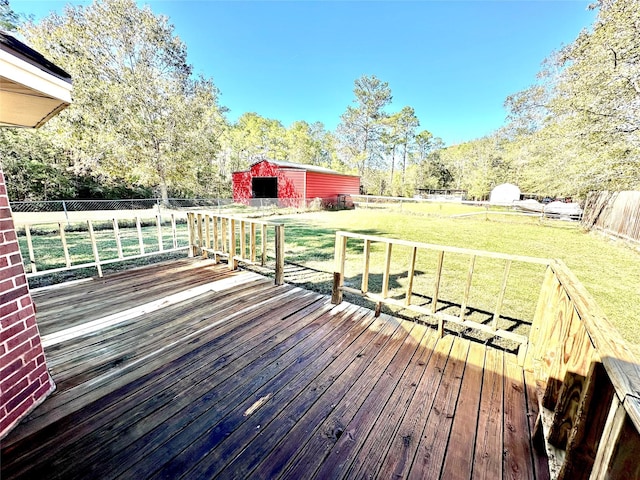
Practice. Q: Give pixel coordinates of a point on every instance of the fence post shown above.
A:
(279, 254)
(338, 272)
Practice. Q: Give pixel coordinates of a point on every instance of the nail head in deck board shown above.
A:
(489, 440)
(459, 455)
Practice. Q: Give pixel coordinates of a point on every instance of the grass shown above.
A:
(49, 253)
(609, 269)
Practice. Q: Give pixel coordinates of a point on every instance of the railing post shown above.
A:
(233, 263)
(65, 247)
(215, 238)
(200, 241)
(365, 267)
(243, 239)
(252, 244)
(192, 234)
(174, 231)
(94, 247)
(207, 235)
(279, 254)
(116, 235)
(436, 291)
(32, 258)
(263, 245)
(141, 240)
(410, 275)
(159, 227)
(503, 289)
(338, 272)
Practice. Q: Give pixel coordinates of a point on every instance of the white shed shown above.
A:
(507, 193)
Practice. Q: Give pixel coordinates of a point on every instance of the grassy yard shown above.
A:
(609, 269)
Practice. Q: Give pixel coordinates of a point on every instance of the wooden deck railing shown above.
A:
(102, 246)
(431, 310)
(587, 377)
(236, 239)
(588, 382)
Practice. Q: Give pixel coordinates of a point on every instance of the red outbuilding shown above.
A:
(292, 183)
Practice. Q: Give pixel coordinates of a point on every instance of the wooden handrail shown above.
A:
(432, 311)
(97, 245)
(226, 236)
(587, 377)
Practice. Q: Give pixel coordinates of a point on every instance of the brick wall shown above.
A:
(24, 378)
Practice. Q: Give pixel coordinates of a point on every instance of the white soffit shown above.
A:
(29, 95)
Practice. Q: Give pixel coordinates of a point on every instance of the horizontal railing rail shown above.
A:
(237, 239)
(383, 297)
(107, 245)
(588, 382)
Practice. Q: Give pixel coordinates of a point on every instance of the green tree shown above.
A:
(407, 124)
(582, 117)
(9, 20)
(361, 125)
(137, 110)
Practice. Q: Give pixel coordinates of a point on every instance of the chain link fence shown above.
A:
(121, 204)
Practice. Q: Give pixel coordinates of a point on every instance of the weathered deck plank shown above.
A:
(459, 455)
(246, 379)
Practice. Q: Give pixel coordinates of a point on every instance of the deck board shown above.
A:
(238, 378)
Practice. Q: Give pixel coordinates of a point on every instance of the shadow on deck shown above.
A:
(185, 369)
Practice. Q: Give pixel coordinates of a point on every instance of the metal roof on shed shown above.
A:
(302, 166)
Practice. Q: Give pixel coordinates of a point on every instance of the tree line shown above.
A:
(142, 124)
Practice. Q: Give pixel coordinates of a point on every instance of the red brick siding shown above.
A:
(24, 378)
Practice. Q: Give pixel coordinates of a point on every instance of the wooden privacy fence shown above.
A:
(617, 213)
(106, 248)
(588, 383)
(236, 239)
(431, 310)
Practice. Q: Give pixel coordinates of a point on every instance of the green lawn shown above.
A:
(609, 269)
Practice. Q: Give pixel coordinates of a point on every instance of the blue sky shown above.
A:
(454, 62)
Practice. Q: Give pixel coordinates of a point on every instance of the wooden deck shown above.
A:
(187, 370)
